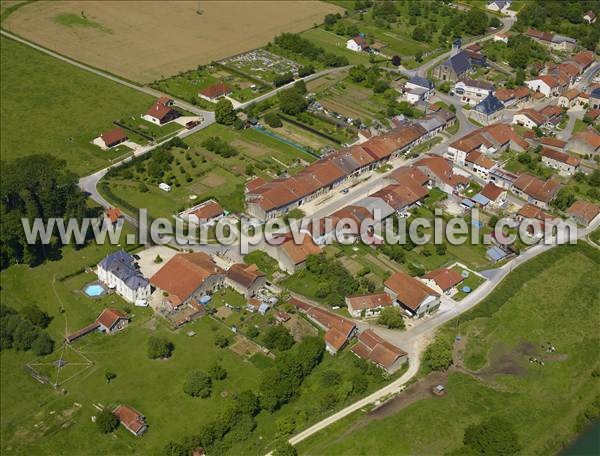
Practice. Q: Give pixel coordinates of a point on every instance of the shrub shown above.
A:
(159, 347)
(106, 421)
(198, 384)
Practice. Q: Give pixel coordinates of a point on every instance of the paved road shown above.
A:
(414, 340)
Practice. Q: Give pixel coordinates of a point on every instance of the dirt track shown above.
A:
(144, 41)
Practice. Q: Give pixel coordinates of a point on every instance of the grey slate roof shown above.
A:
(372, 203)
(421, 82)
(122, 265)
(459, 62)
(489, 105)
(561, 38)
(596, 93)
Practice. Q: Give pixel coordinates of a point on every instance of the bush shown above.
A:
(198, 384)
(106, 421)
(219, 147)
(391, 317)
(221, 341)
(36, 316)
(273, 120)
(278, 337)
(217, 372)
(438, 355)
(159, 347)
(42, 345)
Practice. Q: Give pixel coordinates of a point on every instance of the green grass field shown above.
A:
(35, 418)
(50, 106)
(552, 298)
(335, 44)
(211, 175)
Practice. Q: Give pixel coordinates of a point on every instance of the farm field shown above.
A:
(50, 106)
(115, 36)
(516, 322)
(206, 174)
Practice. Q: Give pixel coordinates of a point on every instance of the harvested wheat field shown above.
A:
(145, 41)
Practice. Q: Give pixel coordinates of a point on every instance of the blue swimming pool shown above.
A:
(94, 290)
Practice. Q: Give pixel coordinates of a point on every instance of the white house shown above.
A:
(367, 305)
(413, 296)
(589, 17)
(564, 163)
(548, 85)
(418, 89)
(501, 37)
(529, 118)
(499, 6)
(472, 91)
(357, 44)
(119, 273)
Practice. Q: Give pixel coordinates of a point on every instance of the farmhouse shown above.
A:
(585, 142)
(215, 91)
(502, 178)
(187, 277)
(418, 89)
(161, 113)
(338, 330)
(443, 279)
(568, 99)
(479, 164)
(547, 85)
(131, 419)
(367, 305)
(441, 174)
(589, 17)
(205, 214)
(373, 348)
(536, 191)
(501, 37)
(472, 91)
(553, 143)
(487, 111)
(119, 272)
(357, 44)
(492, 139)
(584, 212)
(292, 256)
(113, 138)
(530, 212)
(499, 6)
(554, 41)
(266, 200)
(246, 279)
(561, 161)
(407, 192)
(494, 194)
(416, 298)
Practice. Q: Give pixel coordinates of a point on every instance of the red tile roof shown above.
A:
(553, 142)
(410, 291)
(109, 317)
(244, 274)
(445, 278)
(216, 90)
(184, 274)
(159, 111)
(559, 156)
(209, 210)
(491, 191)
(114, 136)
(584, 210)
(298, 253)
(371, 301)
(130, 418)
(373, 348)
(536, 188)
(113, 214)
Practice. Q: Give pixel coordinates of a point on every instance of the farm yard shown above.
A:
(198, 173)
(37, 418)
(187, 85)
(114, 36)
(65, 108)
(493, 373)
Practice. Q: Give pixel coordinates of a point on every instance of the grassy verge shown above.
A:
(525, 312)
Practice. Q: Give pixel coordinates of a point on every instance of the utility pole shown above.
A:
(199, 8)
